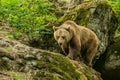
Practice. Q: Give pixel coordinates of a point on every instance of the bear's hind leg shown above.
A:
(91, 54)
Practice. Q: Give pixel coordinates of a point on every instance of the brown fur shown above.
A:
(76, 41)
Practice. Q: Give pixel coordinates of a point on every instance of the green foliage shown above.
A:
(116, 6)
(28, 16)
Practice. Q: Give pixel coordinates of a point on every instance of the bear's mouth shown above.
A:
(61, 46)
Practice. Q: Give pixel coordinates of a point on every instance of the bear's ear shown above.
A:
(68, 28)
(55, 28)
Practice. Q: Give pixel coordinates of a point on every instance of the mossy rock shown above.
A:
(54, 66)
(57, 67)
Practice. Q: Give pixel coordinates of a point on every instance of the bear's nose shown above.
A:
(60, 44)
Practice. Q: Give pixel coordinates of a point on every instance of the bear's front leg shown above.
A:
(71, 54)
(65, 51)
(74, 53)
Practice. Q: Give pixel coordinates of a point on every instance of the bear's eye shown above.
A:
(63, 37)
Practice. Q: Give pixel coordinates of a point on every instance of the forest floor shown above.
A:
(4, 31)
(10, 75)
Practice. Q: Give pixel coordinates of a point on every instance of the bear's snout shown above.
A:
(60, 43)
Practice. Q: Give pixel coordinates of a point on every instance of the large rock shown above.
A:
(104, 22)
(109, 63)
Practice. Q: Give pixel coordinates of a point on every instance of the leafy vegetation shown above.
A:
(28, 16)
(116, 6)
(17, 76)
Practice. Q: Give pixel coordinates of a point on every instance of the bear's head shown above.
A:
(62, 36)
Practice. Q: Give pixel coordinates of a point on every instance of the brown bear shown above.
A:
(76, 41)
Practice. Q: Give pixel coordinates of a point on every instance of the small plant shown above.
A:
(17, 76)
